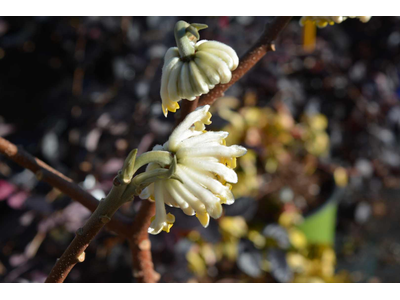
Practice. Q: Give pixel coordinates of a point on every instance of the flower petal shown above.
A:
(221, 170)
(222, 191)
(168, 199)
(161, 221)
(201, 115)
(204, 219)
(188, 160)
(212, 203)
(173, 89)
(210, 136)
(181, 202)
(171, 53)
(167, 102)
(215, 151)
(183, 192)
(147, 192)
(203, 45)
(192, 132)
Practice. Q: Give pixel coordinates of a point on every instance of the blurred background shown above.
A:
(318, 192)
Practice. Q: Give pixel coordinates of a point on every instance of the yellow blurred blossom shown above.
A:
(324, 21)
(340, 176)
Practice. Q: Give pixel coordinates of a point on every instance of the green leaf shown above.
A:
(319, 228)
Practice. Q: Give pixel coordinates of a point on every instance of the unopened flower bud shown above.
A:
(194, 68)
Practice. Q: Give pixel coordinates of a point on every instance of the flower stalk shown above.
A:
(186, 35)
(123, 190)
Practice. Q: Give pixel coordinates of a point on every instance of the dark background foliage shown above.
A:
(80, 92)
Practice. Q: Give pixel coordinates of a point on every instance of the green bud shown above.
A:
(128, 170)
(185, 35)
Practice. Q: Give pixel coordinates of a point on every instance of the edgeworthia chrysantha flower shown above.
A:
(203, 171)
(194, 68)
(324, 21)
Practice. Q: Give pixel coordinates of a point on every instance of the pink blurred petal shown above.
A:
(6, 189)
(17, 260)
(17, 200)
(6, 129)
(112, 166)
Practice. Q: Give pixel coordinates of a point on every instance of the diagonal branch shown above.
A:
(102, 215)
(142, 263)
(141, 255)
(56, 179)
(264, 44)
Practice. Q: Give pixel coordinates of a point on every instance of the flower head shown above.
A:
(203, 173)
(324, 21)
(193, 69)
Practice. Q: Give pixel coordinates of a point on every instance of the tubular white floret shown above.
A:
(193, 69)
(203, 170)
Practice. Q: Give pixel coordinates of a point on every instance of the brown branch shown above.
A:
(75, 252)
(56, 179)
(264, 44)
(137, 235)
(142, 264)
(141, 255)
(142, 261)
(102, 215)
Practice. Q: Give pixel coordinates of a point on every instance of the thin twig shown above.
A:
(58, 180)
(119, 223)
(142, 263)
(102, 215)
(264, 44)
(76, 250)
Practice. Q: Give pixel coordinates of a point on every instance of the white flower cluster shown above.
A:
(189, 77)
(324, 21)
(204, 169)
